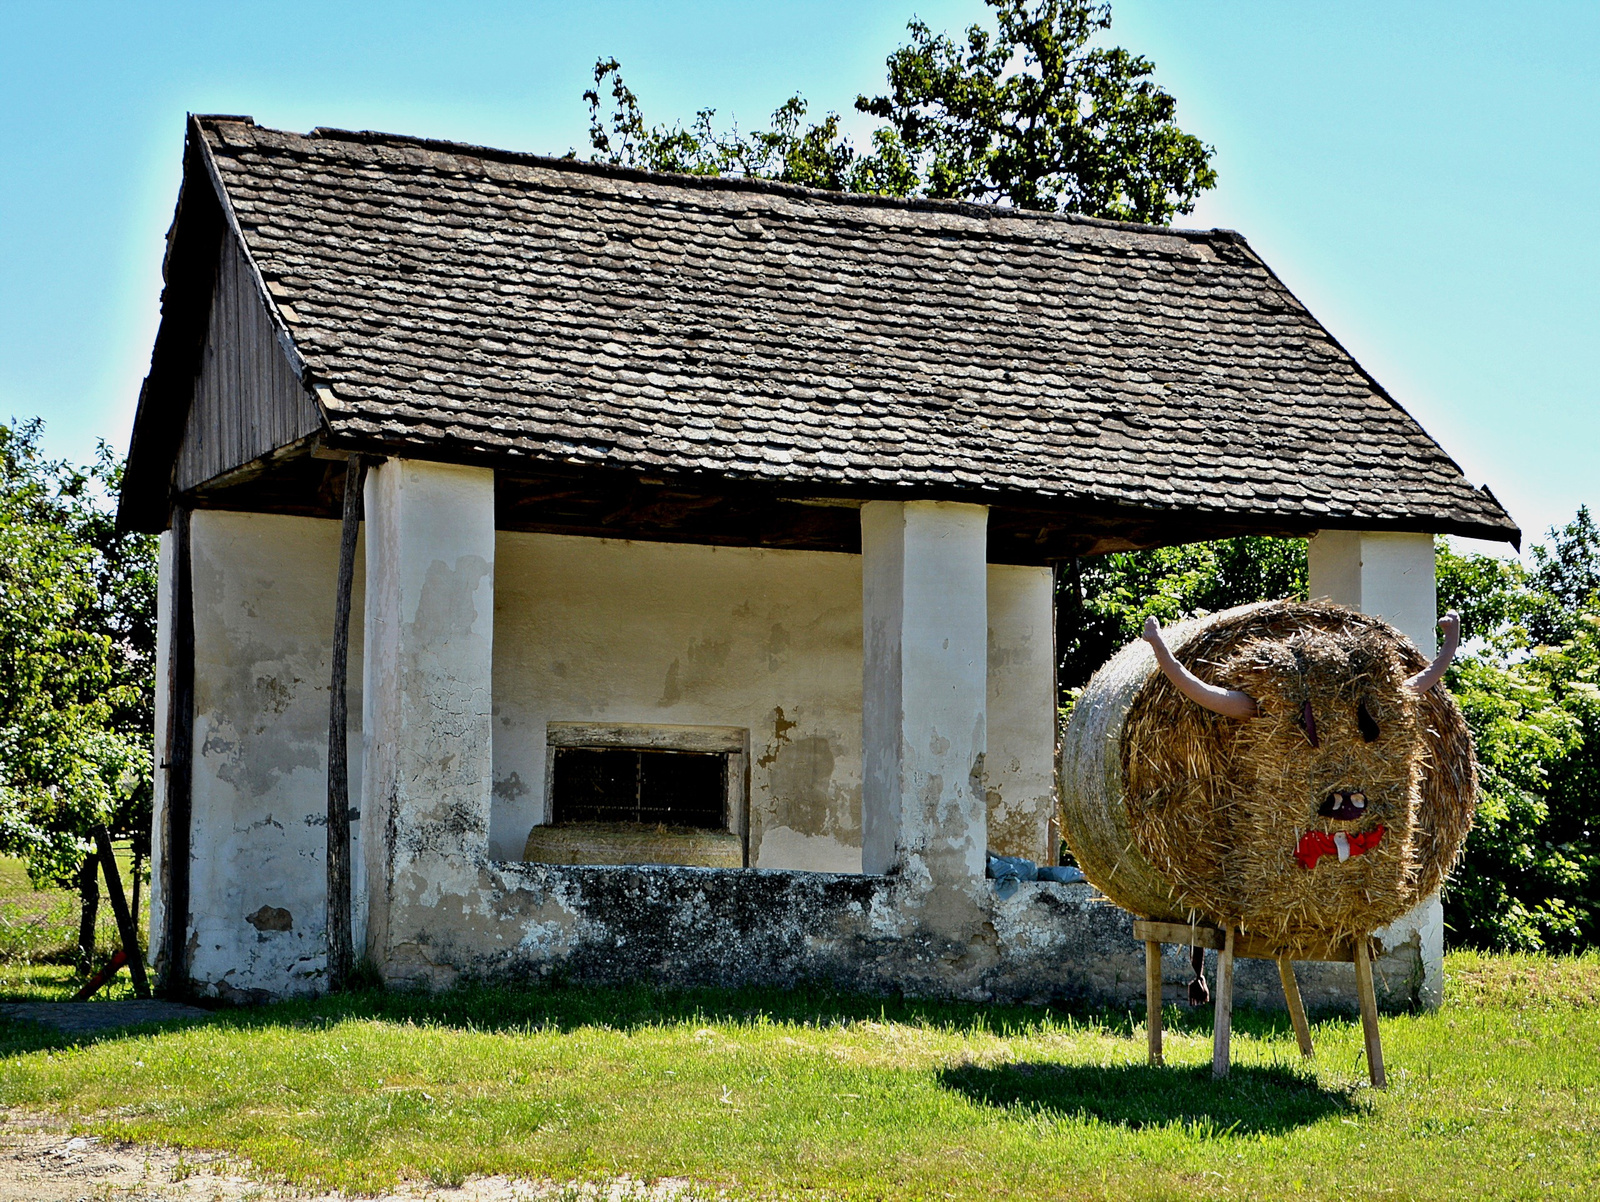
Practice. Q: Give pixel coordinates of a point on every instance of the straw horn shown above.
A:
(1230, 703)
(1434, 672)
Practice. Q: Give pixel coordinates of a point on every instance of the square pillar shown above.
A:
(1392, 576)
(426, 693)
(924, 689)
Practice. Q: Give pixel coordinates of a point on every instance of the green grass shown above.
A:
(39, 936)
(811, 1094)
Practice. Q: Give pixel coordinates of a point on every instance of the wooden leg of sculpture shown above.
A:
(1297, 1010)
(1152, 998)
(1369, 1012)
(1222, 1014)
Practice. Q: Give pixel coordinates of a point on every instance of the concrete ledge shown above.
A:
(617, 843)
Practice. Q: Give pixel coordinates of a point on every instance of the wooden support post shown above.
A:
(119, 907)
(1297, 1010)
(1223, 1011)
(340, 951)
(1369, 1012)
(138, 879)
(1152, 998)
(173, 964)
(88, 911)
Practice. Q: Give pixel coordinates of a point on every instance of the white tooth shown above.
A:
(1359, 804)
(1343, 846)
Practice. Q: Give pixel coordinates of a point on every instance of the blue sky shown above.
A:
(1423, 175)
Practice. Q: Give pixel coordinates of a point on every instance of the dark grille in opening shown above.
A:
(619, 784)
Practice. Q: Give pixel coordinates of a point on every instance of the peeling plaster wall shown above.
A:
(925, 616)
(263, 615)
(599, 630)
(1019, 777)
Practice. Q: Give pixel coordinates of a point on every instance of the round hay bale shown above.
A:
(1180, 814)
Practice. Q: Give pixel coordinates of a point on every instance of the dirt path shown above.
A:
(41, 1162)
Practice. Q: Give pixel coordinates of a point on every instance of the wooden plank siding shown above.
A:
(247, 399)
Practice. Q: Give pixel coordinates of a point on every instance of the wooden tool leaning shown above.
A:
(128, 954)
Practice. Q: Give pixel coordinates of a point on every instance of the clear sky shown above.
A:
(1422, 174)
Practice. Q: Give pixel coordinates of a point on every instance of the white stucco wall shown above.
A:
(594, 630)
(1383, 573)
(263, 612)
(584, 630)
(1019, 773)
(659, 633)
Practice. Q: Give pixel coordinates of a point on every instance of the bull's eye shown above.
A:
(1367, 723)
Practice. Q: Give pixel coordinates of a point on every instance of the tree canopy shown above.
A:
(1030, 113)
(77, 642)
(1531, 874)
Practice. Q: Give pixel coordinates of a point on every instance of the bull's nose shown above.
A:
(1344, 805)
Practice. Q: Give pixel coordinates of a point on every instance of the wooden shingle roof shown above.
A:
(451, 302)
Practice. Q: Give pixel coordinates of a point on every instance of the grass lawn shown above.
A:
(811, 1094)
(768, 1093)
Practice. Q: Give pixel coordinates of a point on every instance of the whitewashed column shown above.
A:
(1392, 576)
(428, 763)
(924, 689)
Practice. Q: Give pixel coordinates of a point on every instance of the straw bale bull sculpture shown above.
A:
(1289, 770)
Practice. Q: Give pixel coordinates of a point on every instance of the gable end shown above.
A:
(248, 401)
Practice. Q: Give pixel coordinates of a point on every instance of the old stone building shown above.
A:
(703, 615)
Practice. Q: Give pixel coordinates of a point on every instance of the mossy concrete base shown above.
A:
(892, 934)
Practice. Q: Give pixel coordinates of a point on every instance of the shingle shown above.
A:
(485, 303)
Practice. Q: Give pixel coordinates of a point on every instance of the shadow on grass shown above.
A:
(567, 1006)
(1251, 1101)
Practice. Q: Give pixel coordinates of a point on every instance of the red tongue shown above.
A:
(1316, 844)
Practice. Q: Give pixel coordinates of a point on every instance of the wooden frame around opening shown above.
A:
(731, 741)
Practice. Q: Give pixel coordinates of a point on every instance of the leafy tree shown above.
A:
(1028, 114)
(791, 150)
(77, 644)
(1034, 116)
(1520, 883)
(1491, 595)
(1566, 580)
(1104, 599)
(1531, 875)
